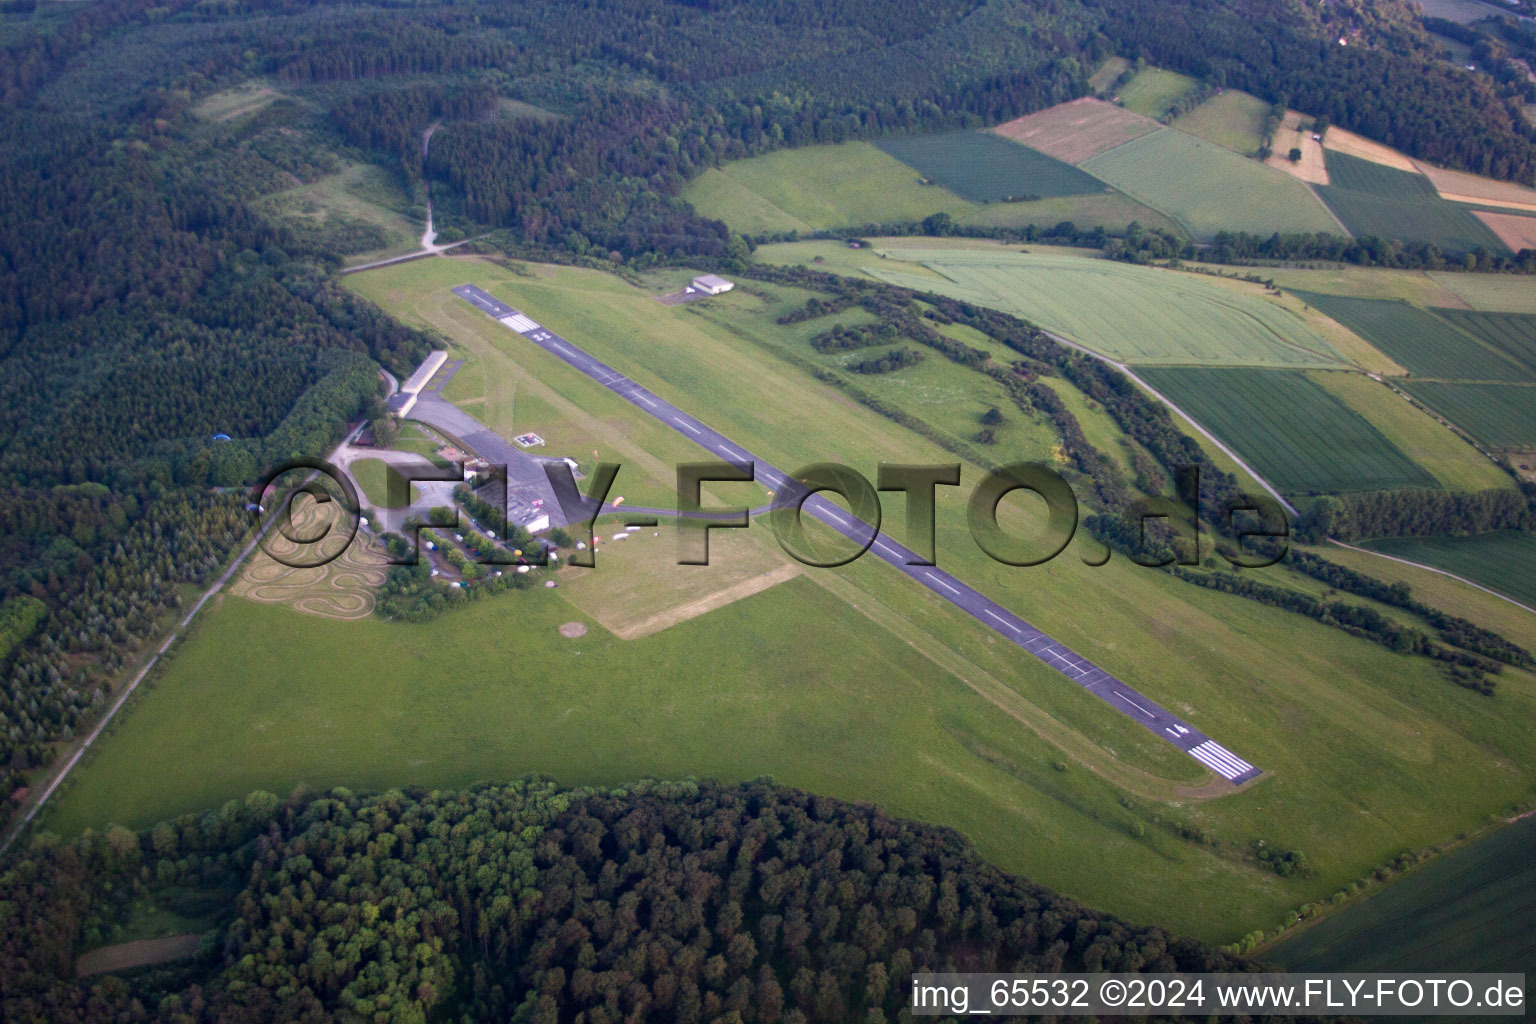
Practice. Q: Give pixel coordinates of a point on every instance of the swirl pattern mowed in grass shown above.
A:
(340, 589)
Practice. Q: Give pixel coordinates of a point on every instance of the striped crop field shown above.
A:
(1499, 415)
(1500, 560)
(1425, 344)
(1294, 433)
(1135, 314)
(1513, 334)
(1470, 911)
(986, 168)
(1373, 199)
(1208, 188)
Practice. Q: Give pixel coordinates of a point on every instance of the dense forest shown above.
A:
(676, 902)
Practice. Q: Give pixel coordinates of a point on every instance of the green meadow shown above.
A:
(1135, 314)
(985, 168)
(832, 186)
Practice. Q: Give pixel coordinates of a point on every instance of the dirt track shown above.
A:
(342, 589)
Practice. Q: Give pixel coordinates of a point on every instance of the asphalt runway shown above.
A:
(1112, 691)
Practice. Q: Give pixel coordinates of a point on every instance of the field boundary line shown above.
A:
(1431, 568)
(1312, 187)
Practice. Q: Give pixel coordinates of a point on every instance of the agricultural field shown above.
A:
(1499, 415)
(1469, 911)
(843, 185)
(1477, 190)
(1154, 90)
(1464, 12)
(1295, 133)
(1208, 188)
(1073, 132)
(1292, 431)
(1341, 140)
(1234, 120)
(986, 168)
(855, 184)
(1135, 314)
(1415, 286)
(1513, 334)
(1454, 463)
(1374, 199)
(1506, 293)
(1517, 231)
(1500, 561)
(1346, 730)
(1425, 344)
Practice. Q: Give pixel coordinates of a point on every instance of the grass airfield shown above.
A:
(850, 682)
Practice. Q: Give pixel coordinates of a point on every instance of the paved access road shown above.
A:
(1057, 655)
